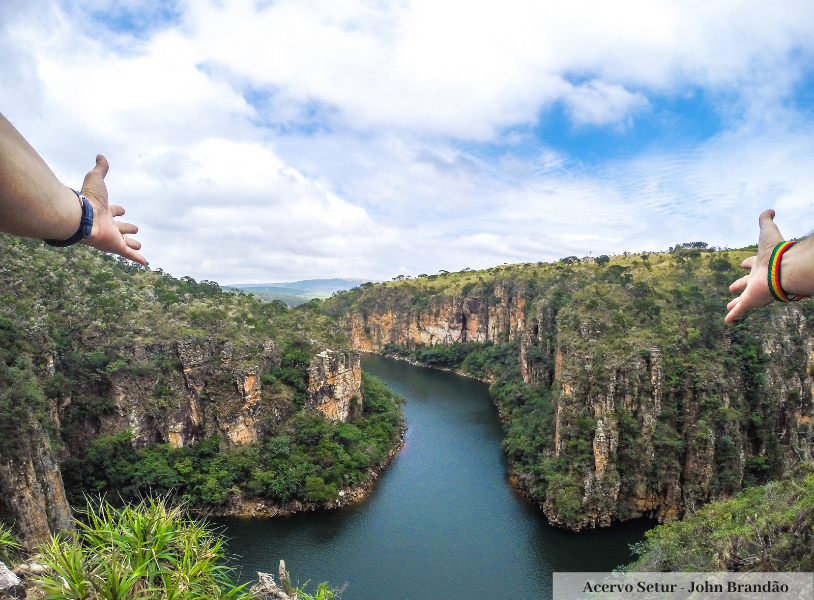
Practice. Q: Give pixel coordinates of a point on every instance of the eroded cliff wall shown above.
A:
(205, 389)
(335, 384)
(650, 405)
(31, 489)
(442, 320)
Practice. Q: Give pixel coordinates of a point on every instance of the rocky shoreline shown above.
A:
(240, 507)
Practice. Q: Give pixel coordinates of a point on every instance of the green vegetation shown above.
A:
(483, 360)
(308, 458)
(763, 528)
(9, 547)
(290, 296)
(121, 354)
(582, 343)
(70, 319)
(147, 550)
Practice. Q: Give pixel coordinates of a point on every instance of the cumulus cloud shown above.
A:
(275, 141)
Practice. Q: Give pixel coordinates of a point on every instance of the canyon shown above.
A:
(125, 381)
(651, 405)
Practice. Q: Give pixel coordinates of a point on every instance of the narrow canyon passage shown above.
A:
(441, 523)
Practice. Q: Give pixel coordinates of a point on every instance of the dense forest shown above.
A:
(128, 381)
(622, 391)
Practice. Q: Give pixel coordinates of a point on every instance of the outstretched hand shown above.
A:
(755, 285)
(108, 235)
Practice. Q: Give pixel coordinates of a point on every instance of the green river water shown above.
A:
(442, 523)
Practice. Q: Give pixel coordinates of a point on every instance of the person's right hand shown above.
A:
(755, 285)
(108, 235)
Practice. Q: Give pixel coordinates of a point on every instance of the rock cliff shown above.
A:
(622, 391)
(122, 380)
(498, 318)
(206, 389)
(32, 490)
(335, 384)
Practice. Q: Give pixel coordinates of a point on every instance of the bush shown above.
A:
(764, 528)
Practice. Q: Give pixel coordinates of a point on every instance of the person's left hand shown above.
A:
(107, 234)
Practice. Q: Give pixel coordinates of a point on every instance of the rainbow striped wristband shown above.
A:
(774, 273)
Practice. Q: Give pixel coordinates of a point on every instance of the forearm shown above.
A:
(33, 203)
(797, 268)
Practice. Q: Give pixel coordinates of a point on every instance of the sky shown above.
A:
(275, 140)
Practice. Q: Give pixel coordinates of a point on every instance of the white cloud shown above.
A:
(383, 134)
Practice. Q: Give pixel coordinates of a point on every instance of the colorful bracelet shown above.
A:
(774, 273)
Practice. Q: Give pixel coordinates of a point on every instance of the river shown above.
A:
(442, 523)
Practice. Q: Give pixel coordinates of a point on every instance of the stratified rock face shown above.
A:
(632, 432)
(335, 384)
(446, 320)
(32, 489)
(214, 390)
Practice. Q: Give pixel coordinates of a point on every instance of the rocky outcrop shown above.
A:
(445, 320)
(335, 384)
(210, 389)
(10, 584)
(32, 489)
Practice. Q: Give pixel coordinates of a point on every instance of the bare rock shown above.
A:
(266, 587)
(30, 569)
(10, 584)
(335, 384)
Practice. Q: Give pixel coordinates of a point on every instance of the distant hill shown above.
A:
(326, 286)
(295, 293)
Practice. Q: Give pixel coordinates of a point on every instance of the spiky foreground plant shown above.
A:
(150, 550)
(8, 545)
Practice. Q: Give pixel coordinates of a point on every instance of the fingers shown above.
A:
(131, 243)
(766, 214)
(133, 255)
(749, 262)
(94, 185)
(115, 210)
(740, 284)
(126, 228)
(737, 308)
(736, 312)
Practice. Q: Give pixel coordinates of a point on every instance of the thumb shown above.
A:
(769, 233)
(94, 184)
(102, 167)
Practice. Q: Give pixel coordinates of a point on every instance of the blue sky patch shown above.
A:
(139, 19)
(802, 97)
(671, 122)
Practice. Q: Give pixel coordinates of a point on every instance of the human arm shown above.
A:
(796, 271)
(33, 203)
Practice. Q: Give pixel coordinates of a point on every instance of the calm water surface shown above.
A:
(442, 523)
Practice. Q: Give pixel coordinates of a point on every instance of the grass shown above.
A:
(9, 547)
